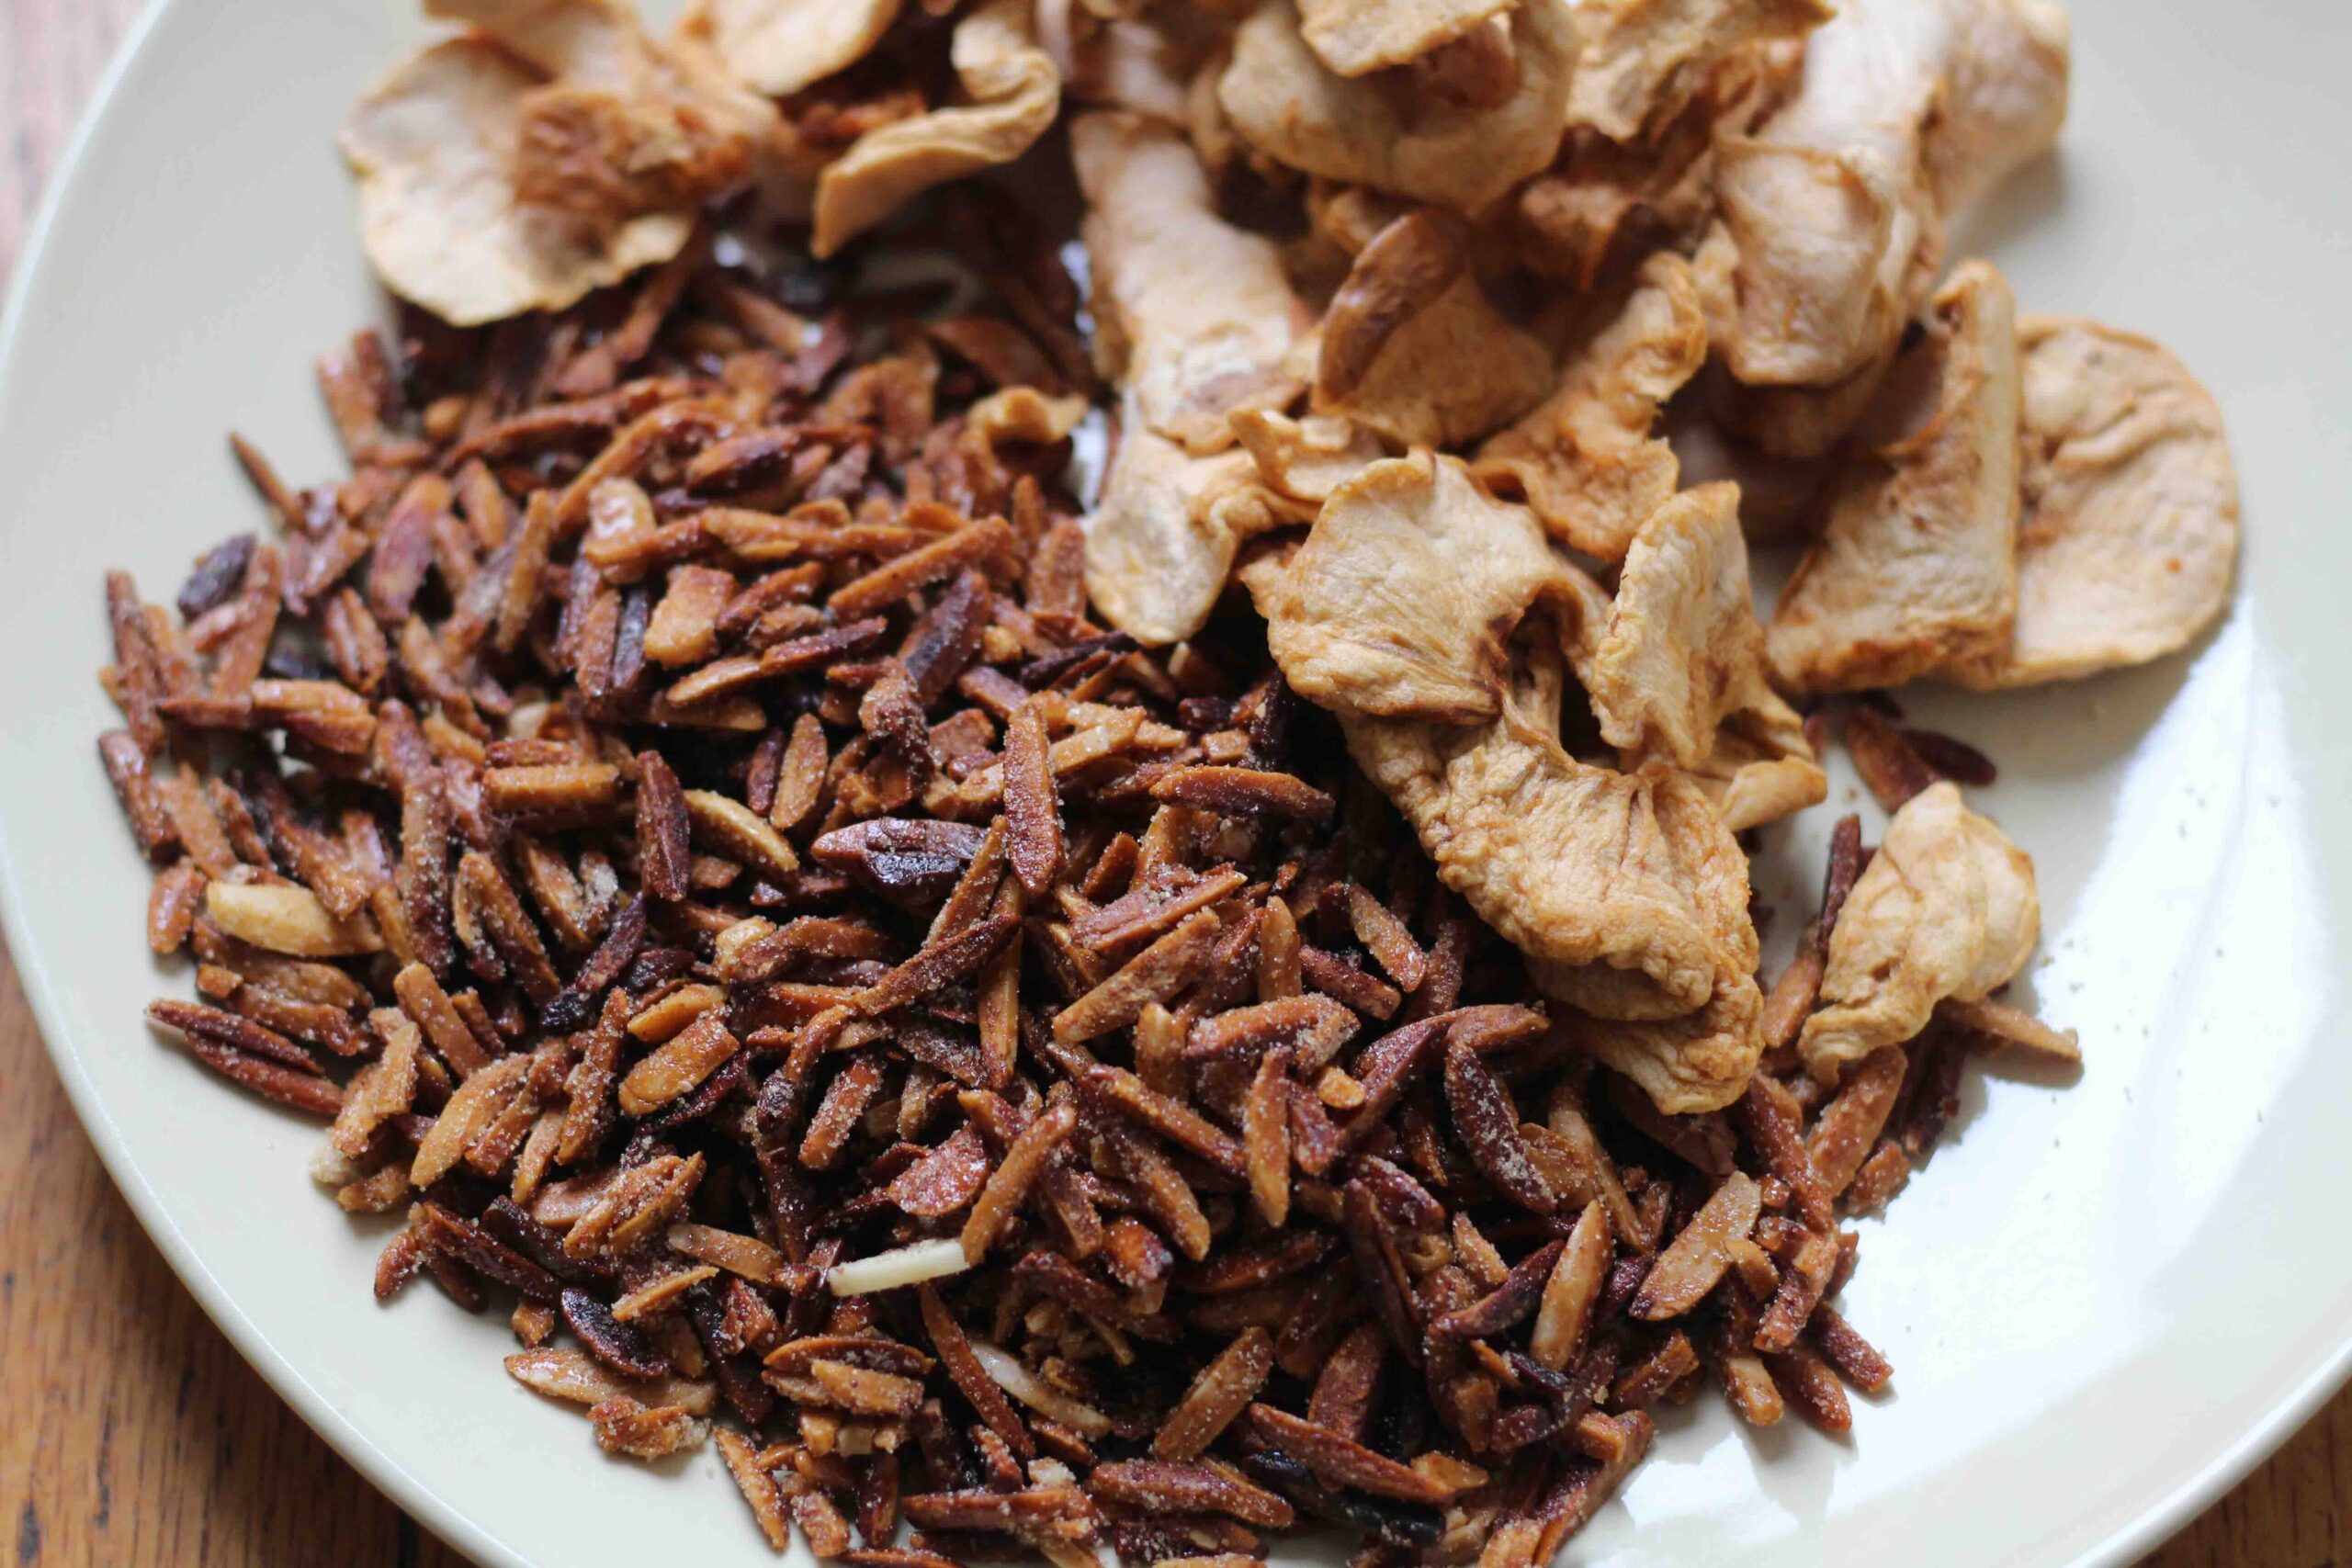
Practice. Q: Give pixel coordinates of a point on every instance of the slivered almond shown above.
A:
(563, 788)
(660, 1293)
(574, 1375)
(1346, 1461)
(864, 1391)
(678, 1066)
(1221, 1392)
(1387, 940)
(476, 1104)
(1697, 1257)
(734, 829)
(1265, 1137)
(1569, 1294)
(1012, 1178)
(2013, 1026)
(1178, 1124)
(282, 918)
(1155, 975)
(1849, 1126)
(659, 1020)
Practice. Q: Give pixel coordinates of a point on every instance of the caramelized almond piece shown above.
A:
(953, 1348)
(1344, 1461)
(1032, 806)
(1489, 1130)
(1265, 1136)
(1849, 1126)
(678, 1066)
(1569, 1294)
(735, 830)
(1155, 975)
(1224, 1388)
(1001, 1199)
(1163, 1486)
(1696, 1259)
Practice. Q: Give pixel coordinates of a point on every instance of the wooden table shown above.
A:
(134, 1434)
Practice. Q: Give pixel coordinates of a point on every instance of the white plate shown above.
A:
(2105, 1301)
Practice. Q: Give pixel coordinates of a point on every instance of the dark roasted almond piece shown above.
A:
(1348, 1382)
(1164, 1486)
(470, 1245)
(1765, 1114)
(1346, 1461)
(1955, 760)
(1155, 975)
(944, 1179)
(1008, 1184)
(1811, 1385)
(127, 767)
(974, 545)
(1889, 765)
(905, 859)
(1414, 1524)
(661, 829)
(1244, 791)
(1381, 1270)
(229, 1030)
(1156, 905)
(1507, 1302)
(295, 1090)
(1178, 1124)
(1849, 1126)
(1489, 1130)
(575, 1006)
(562, 790)
(1804, 1278)
(509, 927)
(953, 1348)
(1247, 1267)
(1033, 807)
(938, 965)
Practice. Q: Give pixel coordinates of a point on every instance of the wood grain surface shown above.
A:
(132, 1433)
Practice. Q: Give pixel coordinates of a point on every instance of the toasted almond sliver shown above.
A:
(1849, 1126)
(658, 1293)
(864, 1391)
(1697, 1257)
(1265, 1137)
(477, 1103)
(551, 787)
(661, 1019)
(2014, 1026)
(1574, 1286)
(1222, 1390)
(757, 1485)
(1154, 975)
(748, 1256)
(1014, 1175)
(1180, 1123)
(563, 1373)
(678, 1066)
(737, 832)
(281, 918)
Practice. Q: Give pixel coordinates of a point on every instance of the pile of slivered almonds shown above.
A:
(918, 972)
